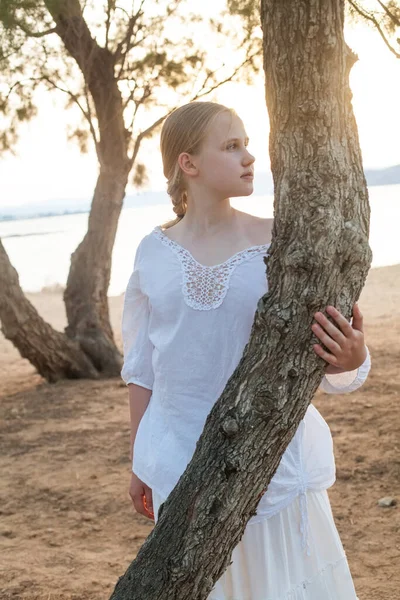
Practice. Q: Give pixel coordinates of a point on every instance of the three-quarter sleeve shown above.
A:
(138, 349)
(344, 383)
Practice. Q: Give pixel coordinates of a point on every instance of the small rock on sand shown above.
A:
(387, 501)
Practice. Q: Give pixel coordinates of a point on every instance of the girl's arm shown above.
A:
(137, 372)
(140, 493)
(139, 398)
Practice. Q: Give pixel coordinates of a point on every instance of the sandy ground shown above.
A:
(67, 526)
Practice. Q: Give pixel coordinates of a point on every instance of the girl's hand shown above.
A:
(344, 342)
(142, 497)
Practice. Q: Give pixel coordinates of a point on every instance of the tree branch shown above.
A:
(146, 94)
(200, 94)
(372, 19)
(146, 133)
(34, 34)
(128, 36)
(126, 40)
(86, 113)
(110, 6)
(394, 18)
(76, 36)
(124, 54)
(11, 89)
(131, 95)
(89, 118)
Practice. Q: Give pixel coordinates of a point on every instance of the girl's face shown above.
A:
(224, 159)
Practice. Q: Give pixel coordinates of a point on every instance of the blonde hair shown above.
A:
(184, 131)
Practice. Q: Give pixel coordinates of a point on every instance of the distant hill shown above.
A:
(64, 206)
(263, 182)
(387, 176)
(263, 186)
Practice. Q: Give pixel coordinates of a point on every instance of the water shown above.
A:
(40, 249)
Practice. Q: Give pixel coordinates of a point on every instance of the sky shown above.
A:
(47, 166)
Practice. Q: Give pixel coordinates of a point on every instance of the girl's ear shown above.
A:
(186, 164)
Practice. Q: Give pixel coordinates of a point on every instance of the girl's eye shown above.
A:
(234, 145)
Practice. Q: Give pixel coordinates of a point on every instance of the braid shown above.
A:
(180, 204)
(178, 196)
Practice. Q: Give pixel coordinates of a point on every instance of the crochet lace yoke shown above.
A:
(205, 287)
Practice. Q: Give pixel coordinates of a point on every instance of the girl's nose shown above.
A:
(249, 158)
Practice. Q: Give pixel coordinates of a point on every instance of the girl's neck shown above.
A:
(208, 221)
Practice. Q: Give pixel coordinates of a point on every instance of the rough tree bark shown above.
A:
(319, 255)
(51, 352)
(85, 296)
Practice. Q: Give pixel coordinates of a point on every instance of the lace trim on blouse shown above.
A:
(205, 287)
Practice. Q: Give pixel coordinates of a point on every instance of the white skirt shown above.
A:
(270, 563)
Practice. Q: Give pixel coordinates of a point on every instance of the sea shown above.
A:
(40, 248)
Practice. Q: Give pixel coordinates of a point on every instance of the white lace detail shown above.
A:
(205, 287)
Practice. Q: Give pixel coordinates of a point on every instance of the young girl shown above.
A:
(188, 311)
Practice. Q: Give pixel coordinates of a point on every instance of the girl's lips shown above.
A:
(248, 177)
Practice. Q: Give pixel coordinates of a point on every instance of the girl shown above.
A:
(188, 311)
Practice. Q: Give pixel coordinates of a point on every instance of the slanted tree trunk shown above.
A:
(319, 255)
(51, 352)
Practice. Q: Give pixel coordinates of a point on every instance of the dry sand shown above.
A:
(67, 526)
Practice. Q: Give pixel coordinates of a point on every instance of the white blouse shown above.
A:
(184, 327)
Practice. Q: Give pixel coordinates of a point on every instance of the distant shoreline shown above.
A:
(29, 234)
(375, 178)
(65, 213)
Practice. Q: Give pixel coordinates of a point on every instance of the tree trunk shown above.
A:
(51, 352)
(87, 286)
(319, 255)
(85, 296)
